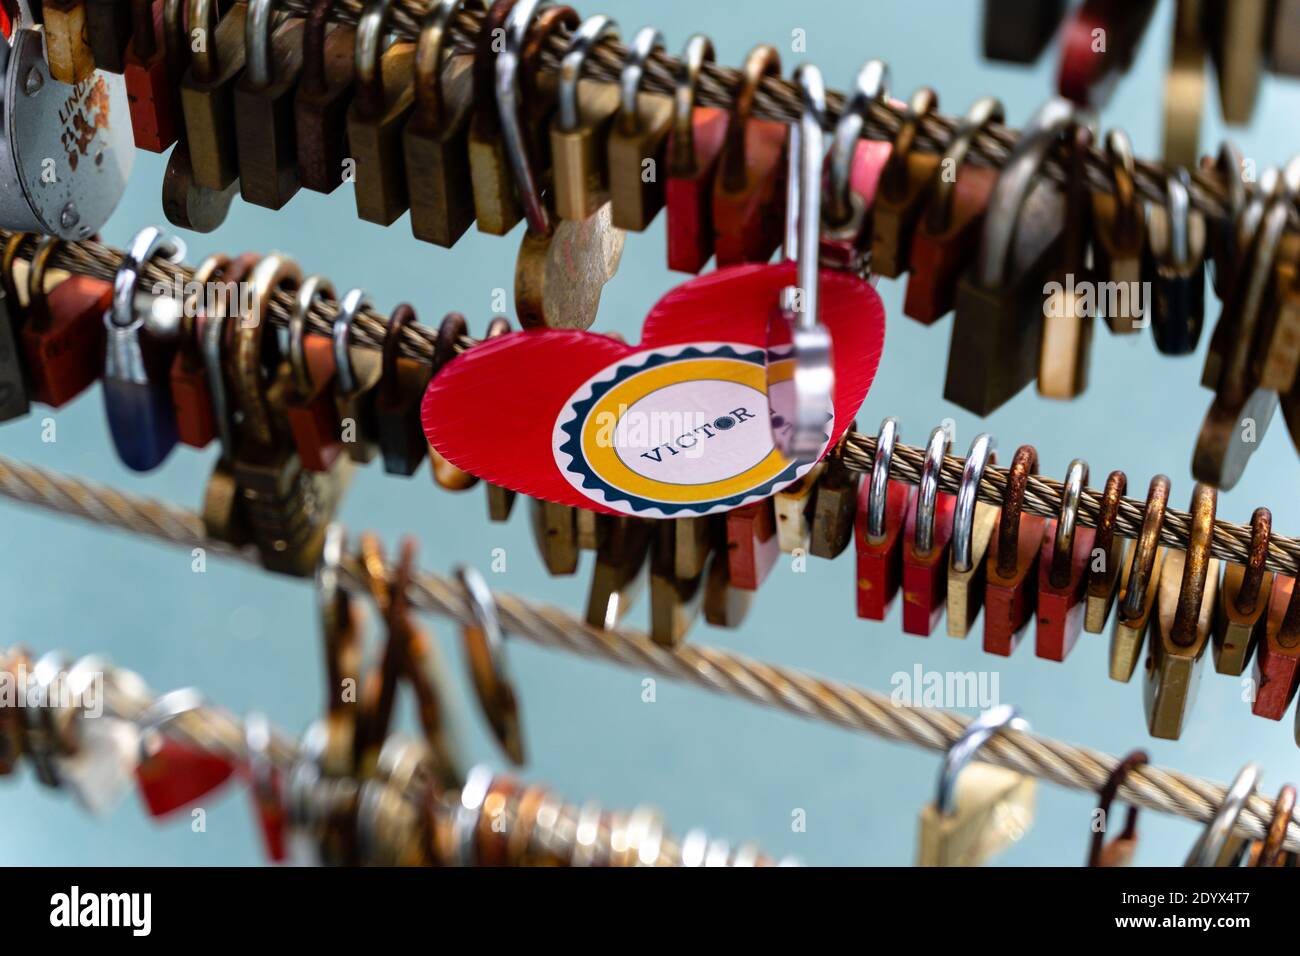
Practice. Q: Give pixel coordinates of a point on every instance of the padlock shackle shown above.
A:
(37, 303)
(313, 289)
(639, 51)
(762, 61)
(1123, 169)
(148, 242)
(144, 41)
(893, 178)
(1016, 181)
(402, 316)
(589, 34)
(1146, 549)
(507, 100)
(372, 28)
(176, 46)
(870, 86)
(1196, 566)
(250, 376)
(697, 52)
(1067, 523)
(977, 733)
(1023, 464)
(985, 110)
(1214, 838)
(205, 61)
(927, 494)
(878, 489)
(1106, 796)
(350, 306)
(313, 79)
(980, 455)
(1261, 531)
(450, 330)
(190, 345)
(214, 341)
(485, 651)
(259, 23)
(431, 48)
(804, 192)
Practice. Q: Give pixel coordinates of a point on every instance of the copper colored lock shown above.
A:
(149, 89)
(397, 400)
(1242, 616)
(693, 150)
(1107, 558)
(196, 423)
(1277, 662)
(945, 238)
(853, 176)
(67, 41)
(926, 536)
(1063, 571)
(748, 200)
(883, 506)
(320, 105)
(1138, 586)
(63, 338)
(1011, 592)
(905, 186)
(751, 544)
(309, 405)
(446, 475)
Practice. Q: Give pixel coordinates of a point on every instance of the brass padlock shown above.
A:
(1138, 586)
(380, 107)
(435, 142)
(67, 40)
(356, 373)
(264, 108)
(450, 331)
(1120, 236)
(580, 128)
(905, 186)
(555, 532)
(1108, 551)
(207, 92)
(835, 505)
(321, 102)
(1243, 601)
(676, 598)
(619, 576)
(638, 140)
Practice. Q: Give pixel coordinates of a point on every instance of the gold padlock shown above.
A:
(580, 127)
(1243, 601)
(1137, 587)
(638, 140)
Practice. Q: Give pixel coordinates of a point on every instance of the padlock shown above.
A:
(853, 176)
(834, 505)
(1225, 238)
(15, 387)
(1180, 628)
(694, 148)
(447, 476)
(556, 534)
(946, 234)
(1107, 558)
(140, 349)
(752, 548)
(191, 396)
(1175, 267)
(927, 533)
(108, 27)
(905, 187)
(436, 139)
(1119, 232)
(1017, 31)
(994, 349)
(63, 337)
(1066, 347)
(724, 604)
(972, 528)
(1280, 352)
(619, 575)
(397, 400)
(1089, 71)
(1011, 591)
(67, 149)
(580, 128)
(148, 86)
(794, 511)
(675, 599)
(355, 376)
(173, 775)
(748, 218)
(1119, 851)
(207, 92)
(380, 106)
(67, 41)
(883, 505)
(265, 143)
(1063, 571)
(309, 404)
(1244, 592)
(501, 500)
(1236, 35)
(637, 141)
(1277, 663)
(321, 102)
(496, 206)
(1139, 584)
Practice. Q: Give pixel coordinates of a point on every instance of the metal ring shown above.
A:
(1017, 179)
(987, 109)
(430, 48)
(314, 288)
(1144, 552)
(963, 519)
(893, 178)
(964, 748)
(643, 46)
(1270, 852)
(259, 21)
(1106, 796)
(507, 97)
(927, 494)
(878, 493)
(1107, 512)
(350, 307)
(1076, 478)
(1215, 836)
(592, 31)
(1023, 464)
(1196, 568)
(369, 40)
(146, 244)
(762, 61)
(1261, 530)
(811, 154)
(698, 51)
(871, 86)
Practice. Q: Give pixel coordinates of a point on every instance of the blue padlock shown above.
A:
(138, 359)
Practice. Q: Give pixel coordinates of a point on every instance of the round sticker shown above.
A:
(677, 430)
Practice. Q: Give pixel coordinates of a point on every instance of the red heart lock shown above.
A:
(675, 426)
(176, 776)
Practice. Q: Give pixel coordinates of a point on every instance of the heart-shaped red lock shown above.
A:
(676, 426)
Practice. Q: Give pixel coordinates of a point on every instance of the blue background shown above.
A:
(250, 640)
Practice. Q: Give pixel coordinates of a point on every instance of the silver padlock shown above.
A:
(65, 151)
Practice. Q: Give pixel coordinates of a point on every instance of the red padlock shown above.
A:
(1063, 571)
(878, 529)
(311, 409)
(150, 92)
(748, 196)
(926, 536)
(1277, 661)
(945, 239)
(63, 338)
(1011, 588)
(853, 171)
(173, 775)
(752, 547)
(694, 146)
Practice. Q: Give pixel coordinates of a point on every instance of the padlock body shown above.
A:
(925, 574)
(65, 358)
(1061, 608)
(688, 193)
(752, 547)
(880, 561)
(141, 421)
